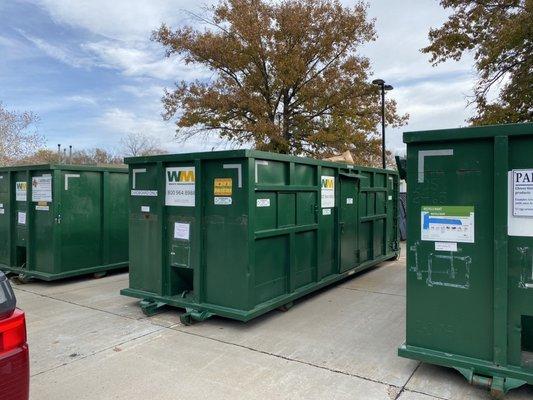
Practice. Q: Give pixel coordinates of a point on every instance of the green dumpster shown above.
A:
(239, 233)
(58, 221)
(470, 252)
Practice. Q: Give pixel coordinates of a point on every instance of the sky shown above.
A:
(91, 73)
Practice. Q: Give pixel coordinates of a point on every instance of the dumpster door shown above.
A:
(348, 222)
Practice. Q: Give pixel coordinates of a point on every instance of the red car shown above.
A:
(14, 357)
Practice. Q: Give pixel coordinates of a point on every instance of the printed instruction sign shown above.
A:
(21, 191)
(41, 188)
(223, 186)
(523, 192)
(223, 201)
(327, 191)
(181, 230)
(180, 186)
(448, 224)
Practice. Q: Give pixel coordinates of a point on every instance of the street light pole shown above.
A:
(383, 87)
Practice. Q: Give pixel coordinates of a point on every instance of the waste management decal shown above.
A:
(180, 186)
(327, 192)
(448, 223)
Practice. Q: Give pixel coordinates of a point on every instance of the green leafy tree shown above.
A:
(287, 77)
(500, 35)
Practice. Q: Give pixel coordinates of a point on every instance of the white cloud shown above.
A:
(59, 53)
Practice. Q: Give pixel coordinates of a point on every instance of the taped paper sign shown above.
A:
(523, 192)
(20, 191)
(21, 218)
(180, 186)
(181, 230)
(327, 192)
(41, 187)
(448, 224)
(223, 201)
(223, 186)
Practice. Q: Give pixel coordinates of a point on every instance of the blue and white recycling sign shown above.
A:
(448, 224)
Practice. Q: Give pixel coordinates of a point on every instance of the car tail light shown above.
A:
(12, 332)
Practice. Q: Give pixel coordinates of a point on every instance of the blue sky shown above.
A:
(89, 70)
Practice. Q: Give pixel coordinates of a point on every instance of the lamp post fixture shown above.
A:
(384, 88)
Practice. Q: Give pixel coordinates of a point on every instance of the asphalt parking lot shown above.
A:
(89, 342)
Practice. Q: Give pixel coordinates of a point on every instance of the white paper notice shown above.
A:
(181, 230)
(445, 246)
(349, 200)
(327, 191)
(180, 186)
(326, 211)
(21, 218)
(41, 187)
(523, 192)
(517, 225)
(145, 208)
(20, 191)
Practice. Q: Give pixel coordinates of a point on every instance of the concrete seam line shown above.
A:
(407, 381)
(372, 291)
(336, 371)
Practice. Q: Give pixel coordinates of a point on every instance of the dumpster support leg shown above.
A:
(150, 307)
(191, 316)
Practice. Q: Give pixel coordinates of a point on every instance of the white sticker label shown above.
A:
(181, 230)
(42, 208)
(144, 193)
(327, 192)
(263, 202)
(445, 246)
(20, 191)
(447, 224)
(223, 201)
(145, 208)
(390, 198)
(41, 188)
(523, 192)
(326, 211)
(2, 211)
(21, 218)
(180, 186)
(349, 200)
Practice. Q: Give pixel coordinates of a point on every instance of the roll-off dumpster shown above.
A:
(239, 233)
(58, 221)
(470, 252)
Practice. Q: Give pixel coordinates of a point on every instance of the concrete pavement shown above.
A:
(88, 342)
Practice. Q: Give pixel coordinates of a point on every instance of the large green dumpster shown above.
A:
(470, 252)
(58, 221)
(239, 233)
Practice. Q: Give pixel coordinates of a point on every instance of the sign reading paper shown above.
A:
(20, 191)
(180, 186)
(41, 187)
(327, 191)
(523, 192)
(181, 230)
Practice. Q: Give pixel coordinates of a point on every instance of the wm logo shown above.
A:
(186, 176)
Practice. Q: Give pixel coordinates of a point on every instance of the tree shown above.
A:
(138, 144)
(18, 135)
(287, 77)
(500, 35)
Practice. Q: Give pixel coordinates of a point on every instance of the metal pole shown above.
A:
(383, 126)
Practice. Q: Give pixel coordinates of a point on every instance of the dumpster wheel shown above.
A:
(99, 275)
(21, 279)
(150, 308)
